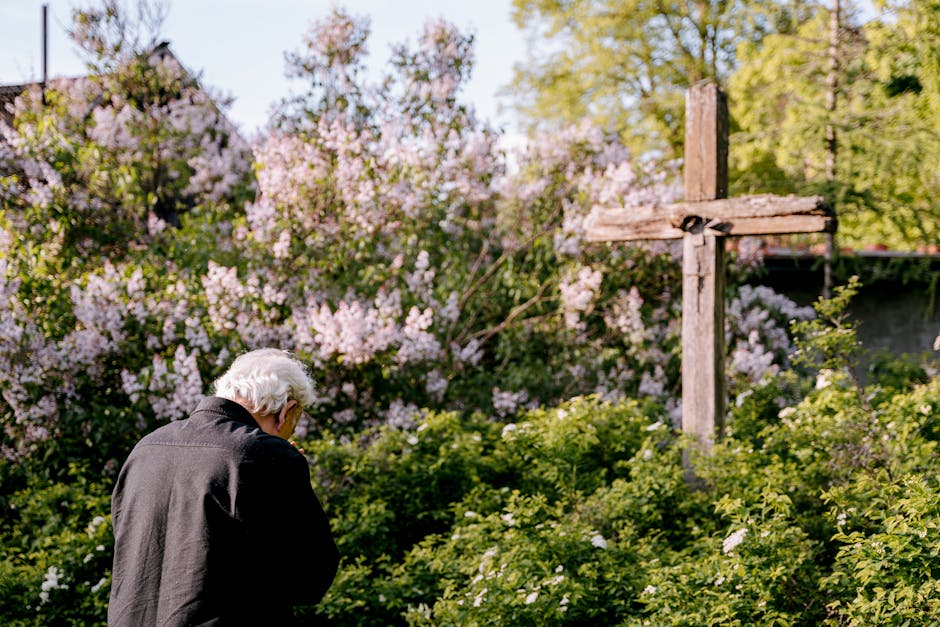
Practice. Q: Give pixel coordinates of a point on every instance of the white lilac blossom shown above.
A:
(625, 315)
(421, 281)
(95, 523)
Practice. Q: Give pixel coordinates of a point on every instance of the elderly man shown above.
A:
(215, 521)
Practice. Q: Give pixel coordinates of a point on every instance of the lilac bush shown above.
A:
(382, 232)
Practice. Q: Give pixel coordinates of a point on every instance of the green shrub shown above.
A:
(57, 547)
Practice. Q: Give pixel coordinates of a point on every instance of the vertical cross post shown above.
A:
(703, 267)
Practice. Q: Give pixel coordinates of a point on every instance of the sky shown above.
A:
(238, 45)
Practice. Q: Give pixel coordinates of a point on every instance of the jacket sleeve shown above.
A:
(287, 525)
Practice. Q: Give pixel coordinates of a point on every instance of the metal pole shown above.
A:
(45, 51)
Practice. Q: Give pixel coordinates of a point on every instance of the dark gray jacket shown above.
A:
(215, 523)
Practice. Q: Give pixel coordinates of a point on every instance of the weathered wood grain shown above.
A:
(761, 214)
(703, 337)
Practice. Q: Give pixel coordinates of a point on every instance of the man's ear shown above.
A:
(281, 418)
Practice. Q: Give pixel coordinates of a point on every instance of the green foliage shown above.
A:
(884, 183)
(829, 340)
(583, 513)
(55, 560)
(627, 64)
(886, 571)
(822, 512)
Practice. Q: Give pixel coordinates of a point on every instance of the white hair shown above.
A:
(266, 379)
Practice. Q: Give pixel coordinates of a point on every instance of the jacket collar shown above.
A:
(226, 409)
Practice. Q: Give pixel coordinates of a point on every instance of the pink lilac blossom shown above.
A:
(417, 343)
(578, 293)
(471, 353)
(762, 342)
(507, 402)
(436, 384)
(653, 384)
(222, 290)
(353, 331)
(752, 359)
(402, 415)
(174, 391)
(625, 315)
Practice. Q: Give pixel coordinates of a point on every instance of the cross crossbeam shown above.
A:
(762, 214)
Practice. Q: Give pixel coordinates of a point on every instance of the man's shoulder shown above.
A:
(191, 433)
(274, 448)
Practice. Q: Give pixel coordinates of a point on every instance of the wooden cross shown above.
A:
(702, 221)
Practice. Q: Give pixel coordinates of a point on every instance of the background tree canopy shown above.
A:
(626, 65)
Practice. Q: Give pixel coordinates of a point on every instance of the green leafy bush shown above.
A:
(55, 560)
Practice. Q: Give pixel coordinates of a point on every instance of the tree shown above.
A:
(884, 182)
(626, 64)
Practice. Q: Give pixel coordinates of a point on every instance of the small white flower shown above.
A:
(650, 589)
(470, 514)
(94, 524)
(786, 411)
(529, 600)
(936, 343)
(599, 541)
(560, 568)
(732, 541)
(508, 519)
(720, 580)
(99, 585)
(656, 426)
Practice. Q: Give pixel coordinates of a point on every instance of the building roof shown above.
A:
(9, 93)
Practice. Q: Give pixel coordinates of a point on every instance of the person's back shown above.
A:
(203, 513)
